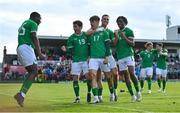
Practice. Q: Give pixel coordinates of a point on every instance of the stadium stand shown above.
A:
(57, 66)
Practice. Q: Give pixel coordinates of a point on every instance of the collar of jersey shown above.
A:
(122, 29)
(33, 21)
(77, 34)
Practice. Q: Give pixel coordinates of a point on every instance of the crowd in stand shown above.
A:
(57, 67)
(54, 71)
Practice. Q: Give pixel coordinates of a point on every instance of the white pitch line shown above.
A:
(6, 94)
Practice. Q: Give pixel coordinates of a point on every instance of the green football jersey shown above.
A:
(123, 49)
(161, 60)
(111, 37)
(97, 44)
(147, 58)
(79, 46)
(24, 32)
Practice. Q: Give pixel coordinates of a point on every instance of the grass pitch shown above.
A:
(59, 97)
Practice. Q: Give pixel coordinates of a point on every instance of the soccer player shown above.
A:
(99, 52)
(78, 49)
(147, 57)
(27, 42)
(124, 42)
(161, 70)
(112, 77)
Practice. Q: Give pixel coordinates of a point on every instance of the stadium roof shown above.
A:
(156, 41)
(52, 37)
(52, 41)
(172, 43)
(61, 40)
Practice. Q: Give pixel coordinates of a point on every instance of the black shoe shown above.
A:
(77, 100)
(88, 97)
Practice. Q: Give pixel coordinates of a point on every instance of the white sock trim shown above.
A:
(23, 94)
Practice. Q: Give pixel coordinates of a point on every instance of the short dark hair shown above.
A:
(78, 22)
(122, 18)
(34, 14)
(105, 15)
(94, 18)
(159, 44)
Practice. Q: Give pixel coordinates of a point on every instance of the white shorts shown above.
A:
(112, 62)
(26, 55)
(146, 72)
(161, 72)
(78, 67)
(125, 62)
(96, 63)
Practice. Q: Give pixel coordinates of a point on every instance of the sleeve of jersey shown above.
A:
(34, 27)
(69, 48)
(141, 54)
(130, 34)
(154, 51)
(107, 43)
(69, 43)
(111, 35)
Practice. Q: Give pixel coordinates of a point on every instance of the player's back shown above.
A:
(24, 32)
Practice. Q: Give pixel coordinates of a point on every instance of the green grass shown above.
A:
(59, 98)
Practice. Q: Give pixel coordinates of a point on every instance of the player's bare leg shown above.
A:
(159, 83)
(110, 84)
(115, 77)
(89, 86)
(94, 85)
(76, 88)
(135, 81)
(128, 84)
(149, 80)
(142, 83)
(32, 73)
(100, 86)
(164, 84)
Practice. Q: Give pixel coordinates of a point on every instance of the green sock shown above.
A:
(135, 82)
(100, 91)
(164, 84)
(130, 89)
(111, 89)
(149, 83)
(142, 84)
(89, 86)
(26, 84)
(95, 91)
(76, 88)
(115, 85)
(159, 82)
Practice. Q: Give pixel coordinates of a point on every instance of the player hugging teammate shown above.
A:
(91, 55)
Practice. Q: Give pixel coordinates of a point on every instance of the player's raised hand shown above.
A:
(116, 33)
(90, 32)
(122, 34)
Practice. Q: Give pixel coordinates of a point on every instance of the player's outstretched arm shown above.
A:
(37, 45)
(90, 32)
